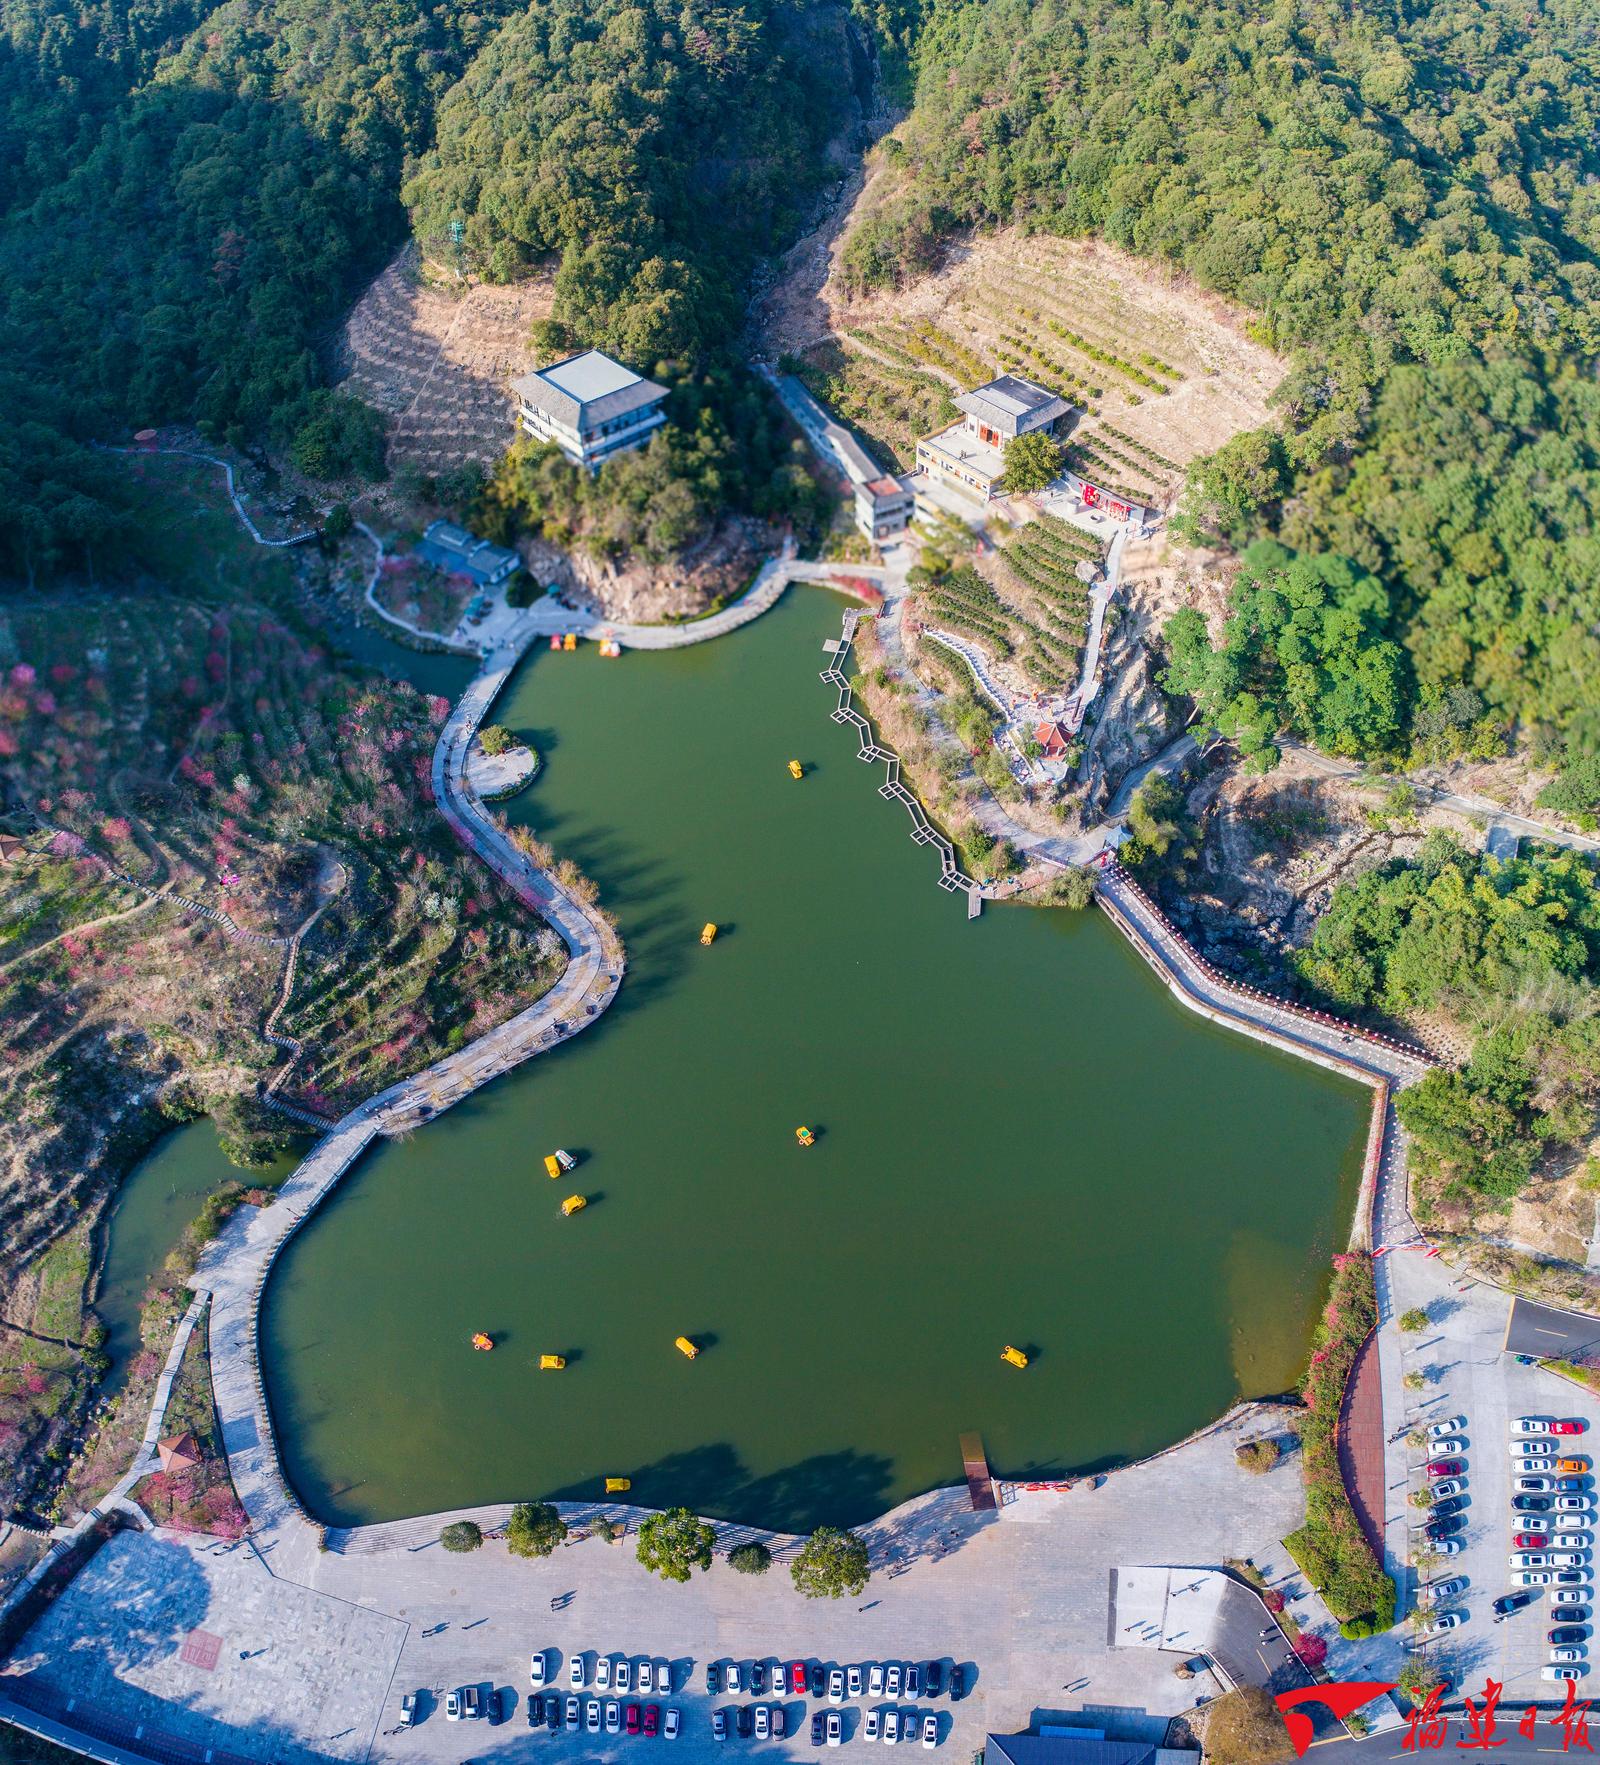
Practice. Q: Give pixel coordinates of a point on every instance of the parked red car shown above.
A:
(1566, 1427)
(1530, 1541)
(652, 1719)
(630, 1718)
(797, 1678)
(1446, 1468)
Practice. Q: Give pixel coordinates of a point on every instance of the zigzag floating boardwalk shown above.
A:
(922, 830)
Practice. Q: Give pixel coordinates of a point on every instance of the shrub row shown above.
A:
(1331, 1549)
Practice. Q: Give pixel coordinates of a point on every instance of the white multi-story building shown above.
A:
(590, 406)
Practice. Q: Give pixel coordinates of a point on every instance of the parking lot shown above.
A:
(1469, 1376)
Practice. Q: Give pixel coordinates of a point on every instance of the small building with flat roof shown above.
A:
(459, 553)
(590, 406)
(883, 503)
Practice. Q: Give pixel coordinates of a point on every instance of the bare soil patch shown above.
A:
(438, 360)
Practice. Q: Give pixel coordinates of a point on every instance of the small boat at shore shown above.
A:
(1013, 1357)
(618, 1485)
(685, 1346)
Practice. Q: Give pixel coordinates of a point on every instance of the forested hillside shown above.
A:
(1408, 197)
(196, 193)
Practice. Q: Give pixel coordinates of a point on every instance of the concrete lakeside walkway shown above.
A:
(234, 1269)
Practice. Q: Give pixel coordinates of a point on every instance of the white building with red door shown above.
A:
(969, 456)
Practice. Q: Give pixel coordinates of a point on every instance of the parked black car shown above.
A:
(1452, 1504)
(1448, 1528)
(1569, 1614)
(819, 1680)
(758, 1679)
(713, 1679)
(1512, 1602)
(744, 1722)
(816, 1729)
(536, 1709)
(500, 1704)
(933, 1679)
(958, 1682)
(1531, 1504)
(1565, 1633)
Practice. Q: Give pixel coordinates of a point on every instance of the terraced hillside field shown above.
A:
(1025, 604)
(1159, 373)
(193, 780)
(438, 362)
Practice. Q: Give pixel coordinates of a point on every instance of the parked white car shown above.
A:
(875, 1679)
(1448, 1486)
(1566, 1654)
(1447, 1590)
(1534, 1485)
(1525, 1466)
(1560, 1673)
(852, 1679)
(891, 1727)
(1533, 1560)
(930, 1730)
(575, 1671)
(537, 1664)
(672, 1722)
(1445, 1621)
(1573, 1504)
(1530, 1425)
(1533, 1578)
(1450, 1425)
(873, 1726)
(602, 1673)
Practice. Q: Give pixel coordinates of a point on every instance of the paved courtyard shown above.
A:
(1023, 1601)
(205, 1644)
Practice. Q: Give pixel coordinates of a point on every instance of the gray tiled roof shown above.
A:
(586, 389)
(1012, 404)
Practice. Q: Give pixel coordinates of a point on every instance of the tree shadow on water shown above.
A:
(838, 1489)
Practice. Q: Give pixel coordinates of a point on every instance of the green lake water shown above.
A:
(159, 1198)
(1021, 1139)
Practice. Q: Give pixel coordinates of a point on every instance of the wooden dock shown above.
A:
(980, 1485)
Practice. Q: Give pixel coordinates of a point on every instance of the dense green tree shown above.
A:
(752, 1558)
(1305, 648)
(675, 1543)
(534, 1529)
(831, 1563)
(1031, 461)
(462, 1536)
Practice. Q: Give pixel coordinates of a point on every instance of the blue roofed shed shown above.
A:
(453, 549)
